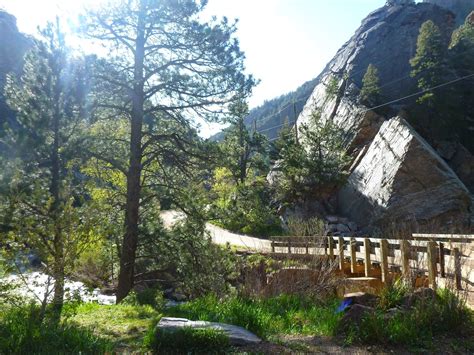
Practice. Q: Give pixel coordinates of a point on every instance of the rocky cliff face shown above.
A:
(461, 8)
(13, 46)
(396, 175)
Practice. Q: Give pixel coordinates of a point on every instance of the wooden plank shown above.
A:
(289, 247)
(331, 247)
(457, 268)
(405, 249)
(353, 256)
(384, 260)
(432, 269)
(442, 267)
(367, 262)
(340, 245)
(273, 246)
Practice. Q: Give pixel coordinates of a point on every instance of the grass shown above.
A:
(265, 317)
(187, 340)
(124, 325)
(420, 327)
(21, 332)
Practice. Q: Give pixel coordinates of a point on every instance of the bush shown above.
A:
(186, 340)
(150, 296)
(21, 332)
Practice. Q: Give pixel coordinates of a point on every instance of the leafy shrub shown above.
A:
(21, 332)
(186, 340)
(150, 296)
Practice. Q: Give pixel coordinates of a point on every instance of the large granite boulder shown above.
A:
(238, 336)
(402, 178)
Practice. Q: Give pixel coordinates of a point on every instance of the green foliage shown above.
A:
(243, 207)
(333, 88)
(265, 317)
(187, 341)
(447, 314)
(370, 93)
(150, 296)
(392, 294)
(21, 332)
(312, 164)
(429, 60)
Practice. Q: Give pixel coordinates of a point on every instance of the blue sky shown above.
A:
(287, 42)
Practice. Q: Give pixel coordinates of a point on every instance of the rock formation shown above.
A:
(396, 175)
(461, 8)
(12, 49)
(402, 179)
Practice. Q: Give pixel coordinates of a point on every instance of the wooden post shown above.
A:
(289, 245)
(405, 250)
(432, 270)
(457, 268)
(442, 268)
(307, 246)
(367, 262)
(353, 255)
(331, 247)
(340, 244)
(273, 246)
(384, 259)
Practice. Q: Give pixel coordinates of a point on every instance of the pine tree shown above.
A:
(370, 92)
(43, 145)
(164, 62)
(428, 63)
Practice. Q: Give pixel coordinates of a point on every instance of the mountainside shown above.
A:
(400, 170)
(13, 45)
(275, 112)
(461, 8)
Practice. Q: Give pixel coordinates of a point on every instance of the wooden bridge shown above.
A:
(440, 258)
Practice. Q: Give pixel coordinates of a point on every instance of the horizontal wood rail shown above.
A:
(432, 249)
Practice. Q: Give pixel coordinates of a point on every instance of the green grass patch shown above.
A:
(122, 324)
(21, 332)
(187, 340)
(265, 317)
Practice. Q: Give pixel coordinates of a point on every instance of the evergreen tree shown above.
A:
(429, 62)
(243, 151)
(370, 93)
(46, 211)
(164, 63)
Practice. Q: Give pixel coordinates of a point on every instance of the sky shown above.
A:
(286, 42)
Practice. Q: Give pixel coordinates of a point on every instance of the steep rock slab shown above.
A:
(401, 179)
(237, 335)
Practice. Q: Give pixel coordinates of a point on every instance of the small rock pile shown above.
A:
(341, 227)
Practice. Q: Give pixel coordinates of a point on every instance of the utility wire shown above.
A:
(408, 96)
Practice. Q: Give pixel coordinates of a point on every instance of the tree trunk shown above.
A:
(58, 242)
(130, 240)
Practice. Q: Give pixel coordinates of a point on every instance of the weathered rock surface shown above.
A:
(237, 335)
(461, 8)
(401, 177)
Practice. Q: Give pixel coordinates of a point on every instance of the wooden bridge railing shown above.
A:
(435, 247)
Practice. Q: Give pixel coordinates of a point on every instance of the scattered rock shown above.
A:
(178, 297)
(355, 314)
(342, 228)
(362, 298)
(421, 294)
(238, 336)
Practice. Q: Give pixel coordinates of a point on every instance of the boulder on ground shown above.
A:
(238, 336)
(362, 298)
(355, 314)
